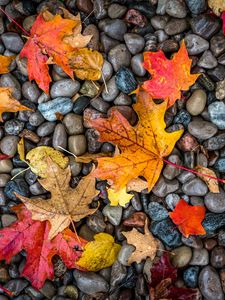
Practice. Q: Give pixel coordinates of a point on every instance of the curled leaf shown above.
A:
(21, 150)
(211, 183)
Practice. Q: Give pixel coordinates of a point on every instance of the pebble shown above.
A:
(175, 26)
(118, 274)
(37, 189)
(167, 233)
(77, 144)
(99, 9)
(181, 256)
(93, 145)
(201, 129)
(172, 200)
(74, 166)
(116, 11)
(89, 88)
(107, 42)
(196, 103)
(48, 290)
(176, 9)
(4, 178)
(217, 114)
(73, 124)
(159, 22)
(190, 276)
(165, 186)
(136, 220)
(213, 222)
(195, 44)
(220, 90)
(31, 91)
(8, 145)
(134, 42)
(7, 220)
(119, 56)
(218, 73)
(113, 213)
(135, 17)
(182, 117)
(85, 6)
(46, 128)
(107, 71)
(8, 80)
(217, 259)
(57, 105)
(217, 45)
(115, 29)
(64, 88)
(125, 253)
(205, 26)
(215, 143)
(220, 165)
(192, 241)
(96, 222)
(12, 41)
(112, 91)
(195, 187)
(200, 257)
(207, 60)
(59, 137)
(169, 171)
(187, 143)
(16, 286)
(196, 6)
(123, 99)
(209, 284)
(137, 65)
(6, 166)
(221, 238)
(17, 185)
(157, 212)
(90, 283)
(125, 80)
(215, 202)
(13, 127)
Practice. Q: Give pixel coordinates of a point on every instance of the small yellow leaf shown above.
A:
(100, 253)
(21, 150)
(211, 183)
(38, 163)
(121, 197)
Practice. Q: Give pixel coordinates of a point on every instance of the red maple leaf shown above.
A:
(32, 236)
(223, 19)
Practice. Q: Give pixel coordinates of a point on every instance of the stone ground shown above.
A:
(122, 30)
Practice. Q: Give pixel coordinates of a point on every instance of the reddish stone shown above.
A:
(134, 17)
(188, 143)
(136, 220)
(209, 244)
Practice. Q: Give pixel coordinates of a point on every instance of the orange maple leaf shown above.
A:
(142, 147)
(188, 218)
(169, 77)
(5, 62)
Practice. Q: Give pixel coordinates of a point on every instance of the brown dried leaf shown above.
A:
(66, 204)
(211, 183)
(146, 245)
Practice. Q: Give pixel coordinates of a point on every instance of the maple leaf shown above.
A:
(5, 62)
(142, 147)
(32, 236)
(66, 204)
(163, 276)
(8, 103)
(121, 197)
(223, 19)
(212, 184)
(169, 77)
(218, 6)
(188, 218)
(100, 253)
(146, 245)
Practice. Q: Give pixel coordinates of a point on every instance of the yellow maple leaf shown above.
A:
(120, 197)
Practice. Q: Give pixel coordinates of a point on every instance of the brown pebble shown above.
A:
(134, 17)
(209, 244)
(188, 143)
(222, 278)
(30, 135)
(136, 220)
(85, 6)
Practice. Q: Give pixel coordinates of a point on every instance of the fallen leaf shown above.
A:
(142, 147)
(163, 277)
(5, 62)
(88, 157)
(4, 156)
(119, 198)
(38, 164)
(188, 218)
(66, 204)
(146, 245)
(168, 76)
(86, 63)
(100, 253)
(211, 183)
(8, 103)
(137, 185)
(223, 19)
(21, 149)
(32, 236)
(218, 6)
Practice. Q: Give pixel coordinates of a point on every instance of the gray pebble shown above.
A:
(176, 9)
(113, 213)
(207, 60)
(164, 187)
(73, 124)
(134, 42)
(107, 71)
(12, 41)
(118, 273)
(123, 99)
(100, 105)
(215, 143)
(99, 9)
(119, 56)
(196, 103)
(215, 202)
(6, 166)
(200, 257)
(37, 189)
(59, 137)
(217, 114)
(116, 29)
(201, 129)
(36, 119)
(195, 44)
(31, 91)
(125, 253)
(159, 22)
(195, 187)
(112, 91)
(116, 11)
(175, 26)
(4, 178)
(172, 200)
(8, 80)
(8, 145)
(64, 88)
(137, 65)
(46, 128)
(77, 144)
(13, 127)
(181, 256)
(169, 171)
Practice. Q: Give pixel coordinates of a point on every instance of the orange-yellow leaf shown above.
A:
(5, 62)
(21, 149)
(218, 6)
(8, 103)
(142, 147)
(169, 76)
(212, 183)
(188, 218)
(120, 197)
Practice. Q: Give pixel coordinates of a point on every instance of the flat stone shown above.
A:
(195, 187)
(205, 26)
(201, 129)
(195, 44)
(217, 114)
(200, 257)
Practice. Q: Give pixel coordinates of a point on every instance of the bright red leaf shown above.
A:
(188, 218)
(32, 236)
(223, 19)
(169, 76)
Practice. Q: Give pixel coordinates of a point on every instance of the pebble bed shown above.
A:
(122, 30)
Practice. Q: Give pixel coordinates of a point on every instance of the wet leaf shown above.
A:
(119, 198)
(100, 253)
(212, 184)
(5, 62)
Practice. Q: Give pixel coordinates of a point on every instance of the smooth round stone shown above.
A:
(31, 91)
(13, 127)
(215, 143)
(134, 42)
(75, 167)
(107, 42)
(207, 60)
(125, 253)
(196, 103)
(118, 273)
(210, 285)
(90, 283)
(195, 187)
(123, 99)
(59, 138)
(216, 112)
(215, 202)
(220, 165)
(116, 11)
(100, 105)
(157, 212)
(107, 71)
(8, 80)
(17, 185)
(169, 171)
(73, 124)
(37, 189)
(112, 90)
(77, 144)
(43, 98)
(46, 128)
(164, 187)
(4, 178)
(8, 145)
(167, 233)
(137, 65)
(196, 6)
(93, 31)
(22, 65)
(181, 256)
(89, 89)
(125, 80)
(195, 44)
(57, 105)
(205, 26)
(202, 130)
(176, 9)
(6, 166)
(113, 213)
(217, 45)
(36, 119)
(12, 41)
(172, 200)
(200, 257)
(190, 276)
(182, 117)
(115, 29)
(64, 88)
(119, 56)
(175, 26)
(217, 259)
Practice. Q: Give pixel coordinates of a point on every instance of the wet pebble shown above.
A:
(165, 186)
(73, 124)
(182, 117)
(46, 128)
(215, 202)
(220, 165)
(196, 103)
(77, 144)
(200, 257)
(111, 92)
(169, 171)
(195, 187)
(17, 185)
(12, 41)
(137, 65)
(59, 138)
(217, 259)
(190, 276)
(125, 253)
(6, 166)
(64, 88)
(8, 80)
(157, 212)
(115, 29)
(175, 26)
(116, 11)
(134, 42)
(125, 80)
(205, 26)
(119, 56)
(207, 60)
(195, 44)
(196, 6)
(181, 256)
(13, 127)
(4, 178)
(8, 145)
(176, 9)
(113, 213)
(118, 274)
(217, 114)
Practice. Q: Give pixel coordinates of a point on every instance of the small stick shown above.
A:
(106, 88)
